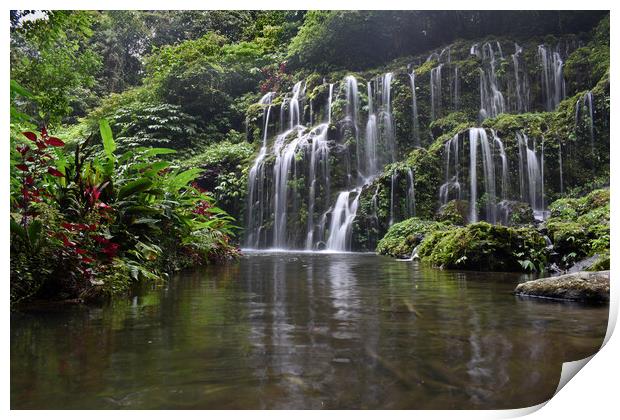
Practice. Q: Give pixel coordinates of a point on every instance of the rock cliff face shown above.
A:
(502, 126)
(582, 286)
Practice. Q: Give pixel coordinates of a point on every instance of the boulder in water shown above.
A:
(591, 286)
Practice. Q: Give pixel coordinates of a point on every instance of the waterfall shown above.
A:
(586, 101)
(473, 179)
(329, 103)
(475, 50)
(456, 89)
(257, 178)
(371, 138)
(285, 159)
(479, 135)
(504, 159)
(387, 133)
(522, 89)
(319, 154)
(414, 111)
(294, 115)
(451, 181)
(352, 107)
(491, 98)
(435, 92)
(371, 145)
(410, 193)
(531, 169)
(552, 77)
(342, 216)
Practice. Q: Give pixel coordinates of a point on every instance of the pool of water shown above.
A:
(303, 330)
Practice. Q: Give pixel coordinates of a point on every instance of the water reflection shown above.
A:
(304, 331)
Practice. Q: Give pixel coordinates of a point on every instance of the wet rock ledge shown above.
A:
(590, 286)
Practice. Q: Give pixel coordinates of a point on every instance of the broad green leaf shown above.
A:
(20, 90)
(133, 187)
(184, 178)
(34, 231)
(18, 229)
(109, 146)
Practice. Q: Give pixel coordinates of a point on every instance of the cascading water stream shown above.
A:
(478, 136)
(552, 77)
(504, 159)
(451, 183)
(372, 137)
(285, 160)
(414, 111)
(329, 103)
(257, 177)
(294, 114)
(319, 154)
(586, 101)
(456, 89)
(392, 188)
(531, 174)
(491, 98)
(343, 214)
(522, 89)
(387, 132)
(410, 193)
(436, 92)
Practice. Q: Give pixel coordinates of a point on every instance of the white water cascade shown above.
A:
(552, 77)
(522, 87)
(436, 92)
(256, 196)
(285, 159)
(451, 188)
(492, 101)
(343, 214)
(531, 175)
(414, 112)
(586, 101)
(410, 193)
(392, 190)
(319, 162)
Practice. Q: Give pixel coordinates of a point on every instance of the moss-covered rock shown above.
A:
(454, 212)
(485, 247)
(582, 286)
(515, 213)
(404, 236)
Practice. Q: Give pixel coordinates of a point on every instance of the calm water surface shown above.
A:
(284, 330)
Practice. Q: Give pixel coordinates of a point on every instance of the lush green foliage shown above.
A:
(485, 247)
(96, 215)
(403, 237)
(579, 227)
(51, 58)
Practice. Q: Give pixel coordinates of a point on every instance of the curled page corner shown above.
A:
(569, 370)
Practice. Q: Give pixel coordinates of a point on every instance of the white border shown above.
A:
(593, 394)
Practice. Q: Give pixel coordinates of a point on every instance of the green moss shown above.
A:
(454, 211)
(485, 247)
(402, 237)
(579, 227)
(448, 123)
